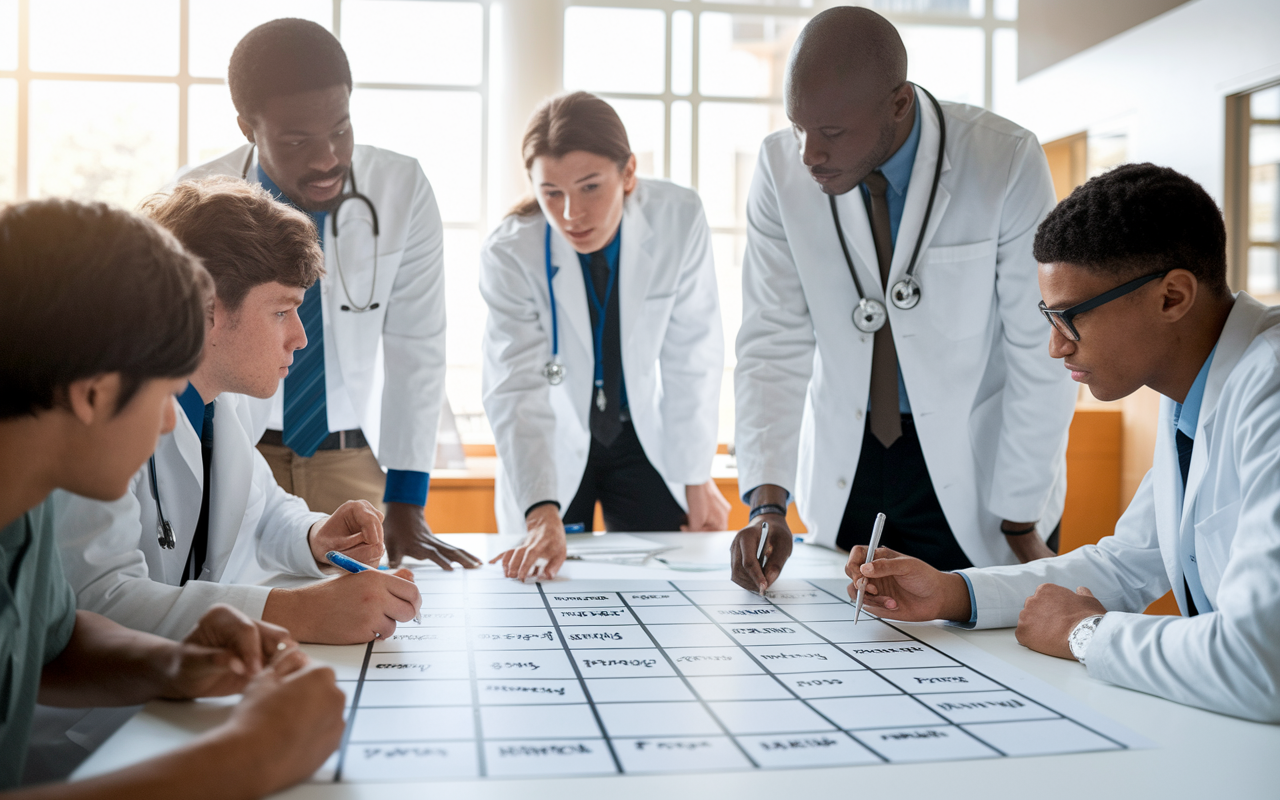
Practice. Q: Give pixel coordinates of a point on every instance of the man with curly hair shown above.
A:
(1133, 275)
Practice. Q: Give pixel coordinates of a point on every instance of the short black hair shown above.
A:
(1138, 219)
(284, 56)
(87, 289)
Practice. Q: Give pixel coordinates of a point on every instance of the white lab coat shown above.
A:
(1227, 660)
(991, 408)
(388, 361)
(672, 350)
(112, 558)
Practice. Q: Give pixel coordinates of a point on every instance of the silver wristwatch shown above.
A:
(1081, 635)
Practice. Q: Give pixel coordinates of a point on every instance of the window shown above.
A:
(699, 85)
(1253, 191)
(105, 99)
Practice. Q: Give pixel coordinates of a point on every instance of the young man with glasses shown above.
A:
(1133, 273)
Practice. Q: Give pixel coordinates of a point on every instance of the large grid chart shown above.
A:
(503, 679)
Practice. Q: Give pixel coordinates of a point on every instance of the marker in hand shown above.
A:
(351, 565)
(876, 531)
(764, 537)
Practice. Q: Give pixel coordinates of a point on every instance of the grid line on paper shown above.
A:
(771, 674)
(685, 678)
(586, 692)
(945, 722)
(481, 765)
(976, 671)
(355, 704)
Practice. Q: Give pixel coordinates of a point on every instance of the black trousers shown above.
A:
(895, 481)
(632, 494)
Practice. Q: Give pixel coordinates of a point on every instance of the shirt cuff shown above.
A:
(406, 486)
(973, 604)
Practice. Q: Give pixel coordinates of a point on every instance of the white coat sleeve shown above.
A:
(1039, 397)
(775, 346)
(692, 360)
(413, 341)
(282, 543)
(516, 396)
(98, 544)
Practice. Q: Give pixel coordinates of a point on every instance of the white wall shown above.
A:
(1168, 77)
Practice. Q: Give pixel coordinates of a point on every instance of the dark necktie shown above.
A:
(606, 423)
(1185, 444)
(200, 542)
(886, 420)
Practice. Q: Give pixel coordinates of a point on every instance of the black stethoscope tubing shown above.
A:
(164, 531)
(354, 194)
(870, 315)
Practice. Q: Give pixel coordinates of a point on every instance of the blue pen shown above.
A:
(351, 565)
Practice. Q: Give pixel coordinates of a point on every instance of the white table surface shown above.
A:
(1198, 755)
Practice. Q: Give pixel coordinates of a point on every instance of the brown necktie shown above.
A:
(886, 422)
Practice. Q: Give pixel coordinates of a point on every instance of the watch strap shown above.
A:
(767, 508)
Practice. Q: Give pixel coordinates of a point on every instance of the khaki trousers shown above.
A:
(329, 478)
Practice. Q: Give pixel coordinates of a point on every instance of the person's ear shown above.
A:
(246, 129)
(1178, 292)
(903, 100)
(629, 178)
(218, 318)
(94, 399)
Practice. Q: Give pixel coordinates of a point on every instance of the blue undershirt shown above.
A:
(897, 170)
(403, 485)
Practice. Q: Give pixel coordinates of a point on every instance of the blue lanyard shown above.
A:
(551, 290)
(597, 332)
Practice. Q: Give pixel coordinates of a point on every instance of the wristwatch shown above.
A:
(1081, 635)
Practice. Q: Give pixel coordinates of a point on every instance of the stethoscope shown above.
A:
(164, 531)
(553, 370)
(870, 314)
(354, 194)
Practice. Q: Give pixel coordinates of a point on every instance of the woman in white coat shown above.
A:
(603, 348)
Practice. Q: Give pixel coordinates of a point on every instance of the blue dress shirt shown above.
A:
(611, 252)
(897, 170)
(403, 485)
(1186, 416)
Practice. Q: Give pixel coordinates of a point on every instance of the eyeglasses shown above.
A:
(1061, 319)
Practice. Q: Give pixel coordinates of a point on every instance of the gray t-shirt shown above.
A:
(37, 616)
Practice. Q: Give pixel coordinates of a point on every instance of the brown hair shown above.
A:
(244, 237)
(571, 122)
(85, 290)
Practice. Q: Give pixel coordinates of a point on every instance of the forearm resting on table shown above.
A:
(221, 765)
(106, 664)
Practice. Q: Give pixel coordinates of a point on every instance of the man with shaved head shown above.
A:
(891, 356)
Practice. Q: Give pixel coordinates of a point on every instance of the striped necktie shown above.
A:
(306, 417)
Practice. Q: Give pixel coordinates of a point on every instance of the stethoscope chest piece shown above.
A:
(553, 371)
(906, 293)
(869, 315)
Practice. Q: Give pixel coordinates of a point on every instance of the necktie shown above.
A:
(606, 422)
(306, 416)
(200, 542)
(1185, 444)
(886, 420)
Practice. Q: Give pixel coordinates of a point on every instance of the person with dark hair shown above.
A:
(889, 358)
(1133, 273)
(340, 419)
(603, 350)
(204, 521)
(102, 319)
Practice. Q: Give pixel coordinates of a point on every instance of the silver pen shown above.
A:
(764, 537)
(876, 531)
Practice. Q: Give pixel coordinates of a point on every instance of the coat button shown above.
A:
(857, 414)
(840, 484)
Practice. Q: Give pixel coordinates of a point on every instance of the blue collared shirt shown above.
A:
(611, 252)
(403, 485)
(897, 170)
(1186, 417)
(193, 406)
